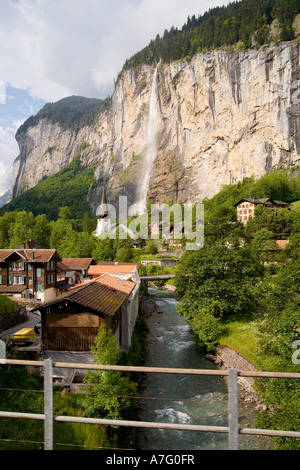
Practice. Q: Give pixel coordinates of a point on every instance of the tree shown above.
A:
(41, 231)
(110, 389)
(88, 224)
(22, 229)
(124, 255)
(207, 327)
(151, 247)
(64, 213)
(104, 250)
(221, 274)
(61, 234)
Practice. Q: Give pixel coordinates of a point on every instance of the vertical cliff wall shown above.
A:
(181, 131)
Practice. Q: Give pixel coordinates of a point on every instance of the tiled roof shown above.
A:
(76, 263)
(112, 269)
(98, 297)
(262, 201)
(4, 254)
(37, 256)
(13, 289)
(112, 281)
(115, 283)
(282, 243)
(93, 295)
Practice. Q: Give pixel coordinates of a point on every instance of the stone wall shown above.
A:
(9, 320)
(226, 358)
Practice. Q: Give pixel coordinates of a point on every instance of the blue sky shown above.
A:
(51, 49)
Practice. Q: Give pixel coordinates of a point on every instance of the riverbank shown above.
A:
(186, 399)
(226, 357)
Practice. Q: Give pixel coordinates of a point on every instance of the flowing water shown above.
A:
(184, 399)
(140, 206)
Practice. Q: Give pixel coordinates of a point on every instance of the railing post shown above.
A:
(233, 414)
(48, 405)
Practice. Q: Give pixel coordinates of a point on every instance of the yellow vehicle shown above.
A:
(24, 336)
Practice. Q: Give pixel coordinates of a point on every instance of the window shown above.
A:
(38, 272)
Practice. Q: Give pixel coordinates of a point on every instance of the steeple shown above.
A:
(102, 210)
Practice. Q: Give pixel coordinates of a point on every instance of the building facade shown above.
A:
(245, 207)
(29, 271)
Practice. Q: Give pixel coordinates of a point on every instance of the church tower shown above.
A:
(102, 215)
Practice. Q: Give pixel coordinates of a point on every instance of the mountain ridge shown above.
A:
(221, 116)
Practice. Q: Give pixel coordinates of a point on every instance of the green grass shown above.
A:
(242, 337)
(23, 393)
(7, 305)
(296, 205)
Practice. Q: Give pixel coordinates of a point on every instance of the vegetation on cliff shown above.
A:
(73, 113)
(245, 24)
(69, 187)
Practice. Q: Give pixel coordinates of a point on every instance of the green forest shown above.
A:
(73, 112)
(243, 24)
(68, 187)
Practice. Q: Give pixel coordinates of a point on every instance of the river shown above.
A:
(185, 399)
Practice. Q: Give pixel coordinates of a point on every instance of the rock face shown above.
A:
(183, 130)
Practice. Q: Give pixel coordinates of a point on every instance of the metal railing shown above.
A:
(232, 429)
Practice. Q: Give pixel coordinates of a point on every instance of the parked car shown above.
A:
(23, 337)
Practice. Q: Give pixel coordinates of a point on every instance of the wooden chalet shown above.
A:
(29, 271)
(71, 322)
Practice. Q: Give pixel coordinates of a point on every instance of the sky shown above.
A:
(51, 49)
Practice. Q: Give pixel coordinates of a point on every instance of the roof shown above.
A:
(114, 282)
(261, 201)
(96, 295)
(39, 255)
(4, 254)
(73, 264)
(13, 289)
(32, 255)
(282, 243)
(112, 267)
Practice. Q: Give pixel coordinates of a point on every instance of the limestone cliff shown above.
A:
(183, 130)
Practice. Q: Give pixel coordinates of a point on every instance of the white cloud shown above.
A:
(61, 47)
(8, 153)
(57, 48)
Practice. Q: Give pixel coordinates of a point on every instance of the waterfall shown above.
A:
(151, 151)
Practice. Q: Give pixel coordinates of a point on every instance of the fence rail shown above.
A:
(232, 429)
